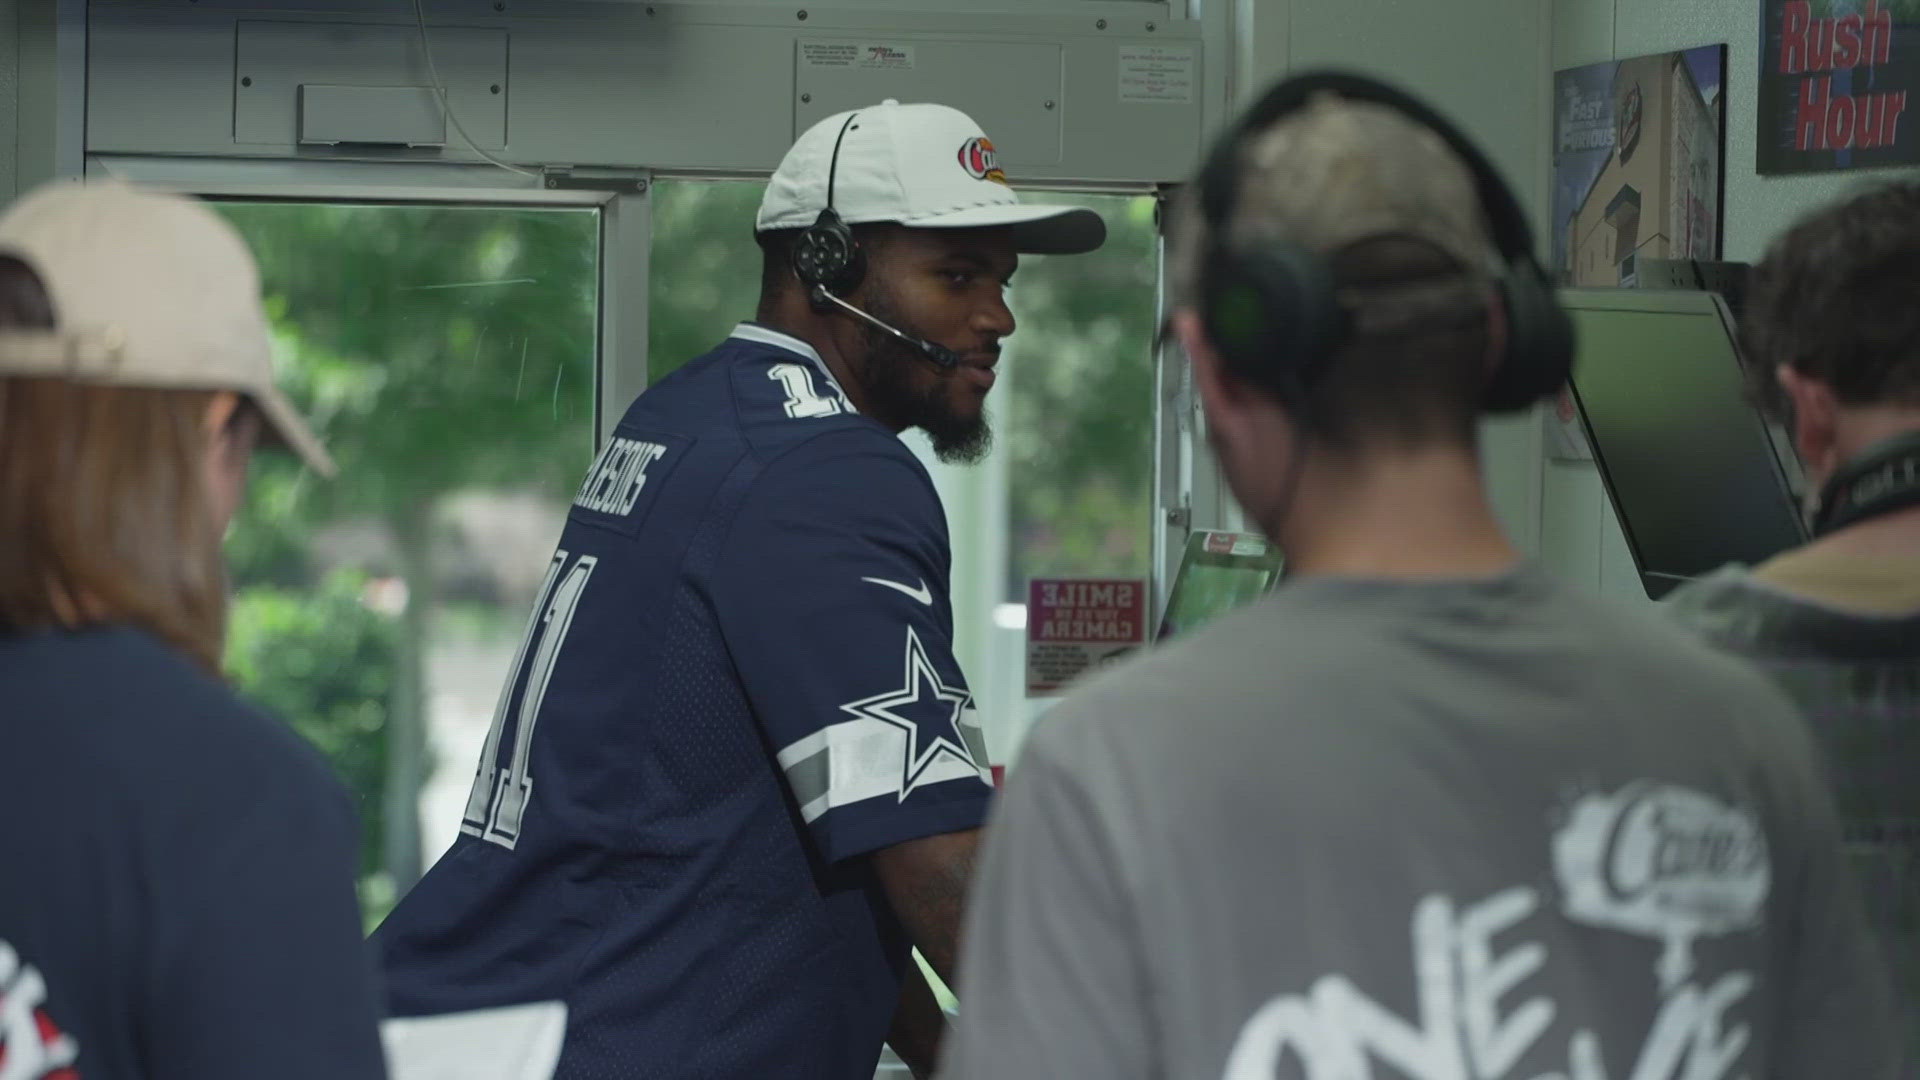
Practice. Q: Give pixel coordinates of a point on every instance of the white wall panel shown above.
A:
(668, 86)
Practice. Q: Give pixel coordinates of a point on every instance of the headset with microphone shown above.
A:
(829, 261)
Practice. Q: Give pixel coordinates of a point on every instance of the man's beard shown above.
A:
(888, 370)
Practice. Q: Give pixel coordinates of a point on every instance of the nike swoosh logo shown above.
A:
(922, 594)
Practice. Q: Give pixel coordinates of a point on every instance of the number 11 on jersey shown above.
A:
(498, 802)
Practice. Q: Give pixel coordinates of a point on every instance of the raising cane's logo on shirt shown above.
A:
(1664, 862)
(32, 1046)
(1652, 859)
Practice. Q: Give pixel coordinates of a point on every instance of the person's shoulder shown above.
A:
(133, 707)
(1657, 635)
(1164, 692)
(778, 389)
(1715, 606)
(112, 674)
(856, 463)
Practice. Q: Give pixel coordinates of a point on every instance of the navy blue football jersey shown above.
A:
(738, 679)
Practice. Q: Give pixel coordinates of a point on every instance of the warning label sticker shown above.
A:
(1158, 74)
(1078, 625)
(856, 54)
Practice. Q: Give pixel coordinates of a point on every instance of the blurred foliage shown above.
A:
(435, 349)
(1078, 420)
(704, 275)
(323, 661)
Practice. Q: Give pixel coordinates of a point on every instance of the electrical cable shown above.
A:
(446, 107)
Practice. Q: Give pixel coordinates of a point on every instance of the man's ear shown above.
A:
(1226, 397)
(1816, 418)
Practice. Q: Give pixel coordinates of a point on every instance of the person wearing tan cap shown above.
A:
(176, 869)
(1424, 811)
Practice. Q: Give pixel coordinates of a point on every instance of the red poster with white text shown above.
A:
(1835, 81)
(1078, 625)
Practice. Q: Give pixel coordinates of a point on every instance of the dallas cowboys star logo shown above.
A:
(939, 704)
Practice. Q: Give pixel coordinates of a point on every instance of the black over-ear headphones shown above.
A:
(1272, 310)
(825, 254)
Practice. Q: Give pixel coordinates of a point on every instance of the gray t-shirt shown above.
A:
(1468, 830)
(1856, 677)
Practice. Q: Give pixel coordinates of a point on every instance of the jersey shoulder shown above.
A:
(783, 398)
(768, 386)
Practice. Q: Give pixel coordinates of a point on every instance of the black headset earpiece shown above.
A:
(1304, 322)
(825, 254)
(1277, 302)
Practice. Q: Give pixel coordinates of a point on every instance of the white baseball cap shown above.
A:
(923, 166)
(148, 289)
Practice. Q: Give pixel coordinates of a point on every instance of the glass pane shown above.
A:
(1079, 433)
(704, 273)
(447, 356)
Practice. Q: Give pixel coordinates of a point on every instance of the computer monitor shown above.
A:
(1219, 571)
(1729, 279)
(1697, 475)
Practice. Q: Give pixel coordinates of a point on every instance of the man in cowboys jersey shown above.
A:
(737, 772)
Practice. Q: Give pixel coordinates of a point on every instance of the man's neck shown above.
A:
(798, 320)
(1889, 536)
(1894, 535)
(1423, 514)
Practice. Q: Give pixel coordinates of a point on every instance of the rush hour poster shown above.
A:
(1835, 81)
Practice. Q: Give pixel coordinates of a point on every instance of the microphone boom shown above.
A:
(939, 355)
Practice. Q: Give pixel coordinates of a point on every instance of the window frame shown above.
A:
(625, 218)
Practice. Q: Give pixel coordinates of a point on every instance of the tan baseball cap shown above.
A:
(148, 289)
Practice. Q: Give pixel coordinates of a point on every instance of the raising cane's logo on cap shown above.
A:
(981, 163)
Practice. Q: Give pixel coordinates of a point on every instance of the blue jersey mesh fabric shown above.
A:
(738, 680)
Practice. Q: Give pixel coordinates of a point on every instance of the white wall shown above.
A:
(1580, 536)
(42, 90)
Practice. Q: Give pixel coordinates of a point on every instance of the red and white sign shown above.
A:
(1077, 625)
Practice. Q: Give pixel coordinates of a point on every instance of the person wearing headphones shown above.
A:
(176, 869)
(1423, 811)
(1834, 337)
(738, 772)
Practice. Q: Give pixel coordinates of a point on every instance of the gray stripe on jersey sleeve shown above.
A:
(810, 778)
(976, 738)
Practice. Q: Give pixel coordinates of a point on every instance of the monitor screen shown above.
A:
(1697, 475)
(1218, 572)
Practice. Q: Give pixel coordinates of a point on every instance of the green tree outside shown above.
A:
(438, 349)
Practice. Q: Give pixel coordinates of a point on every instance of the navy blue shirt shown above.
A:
(176, 877)
(737, 680)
